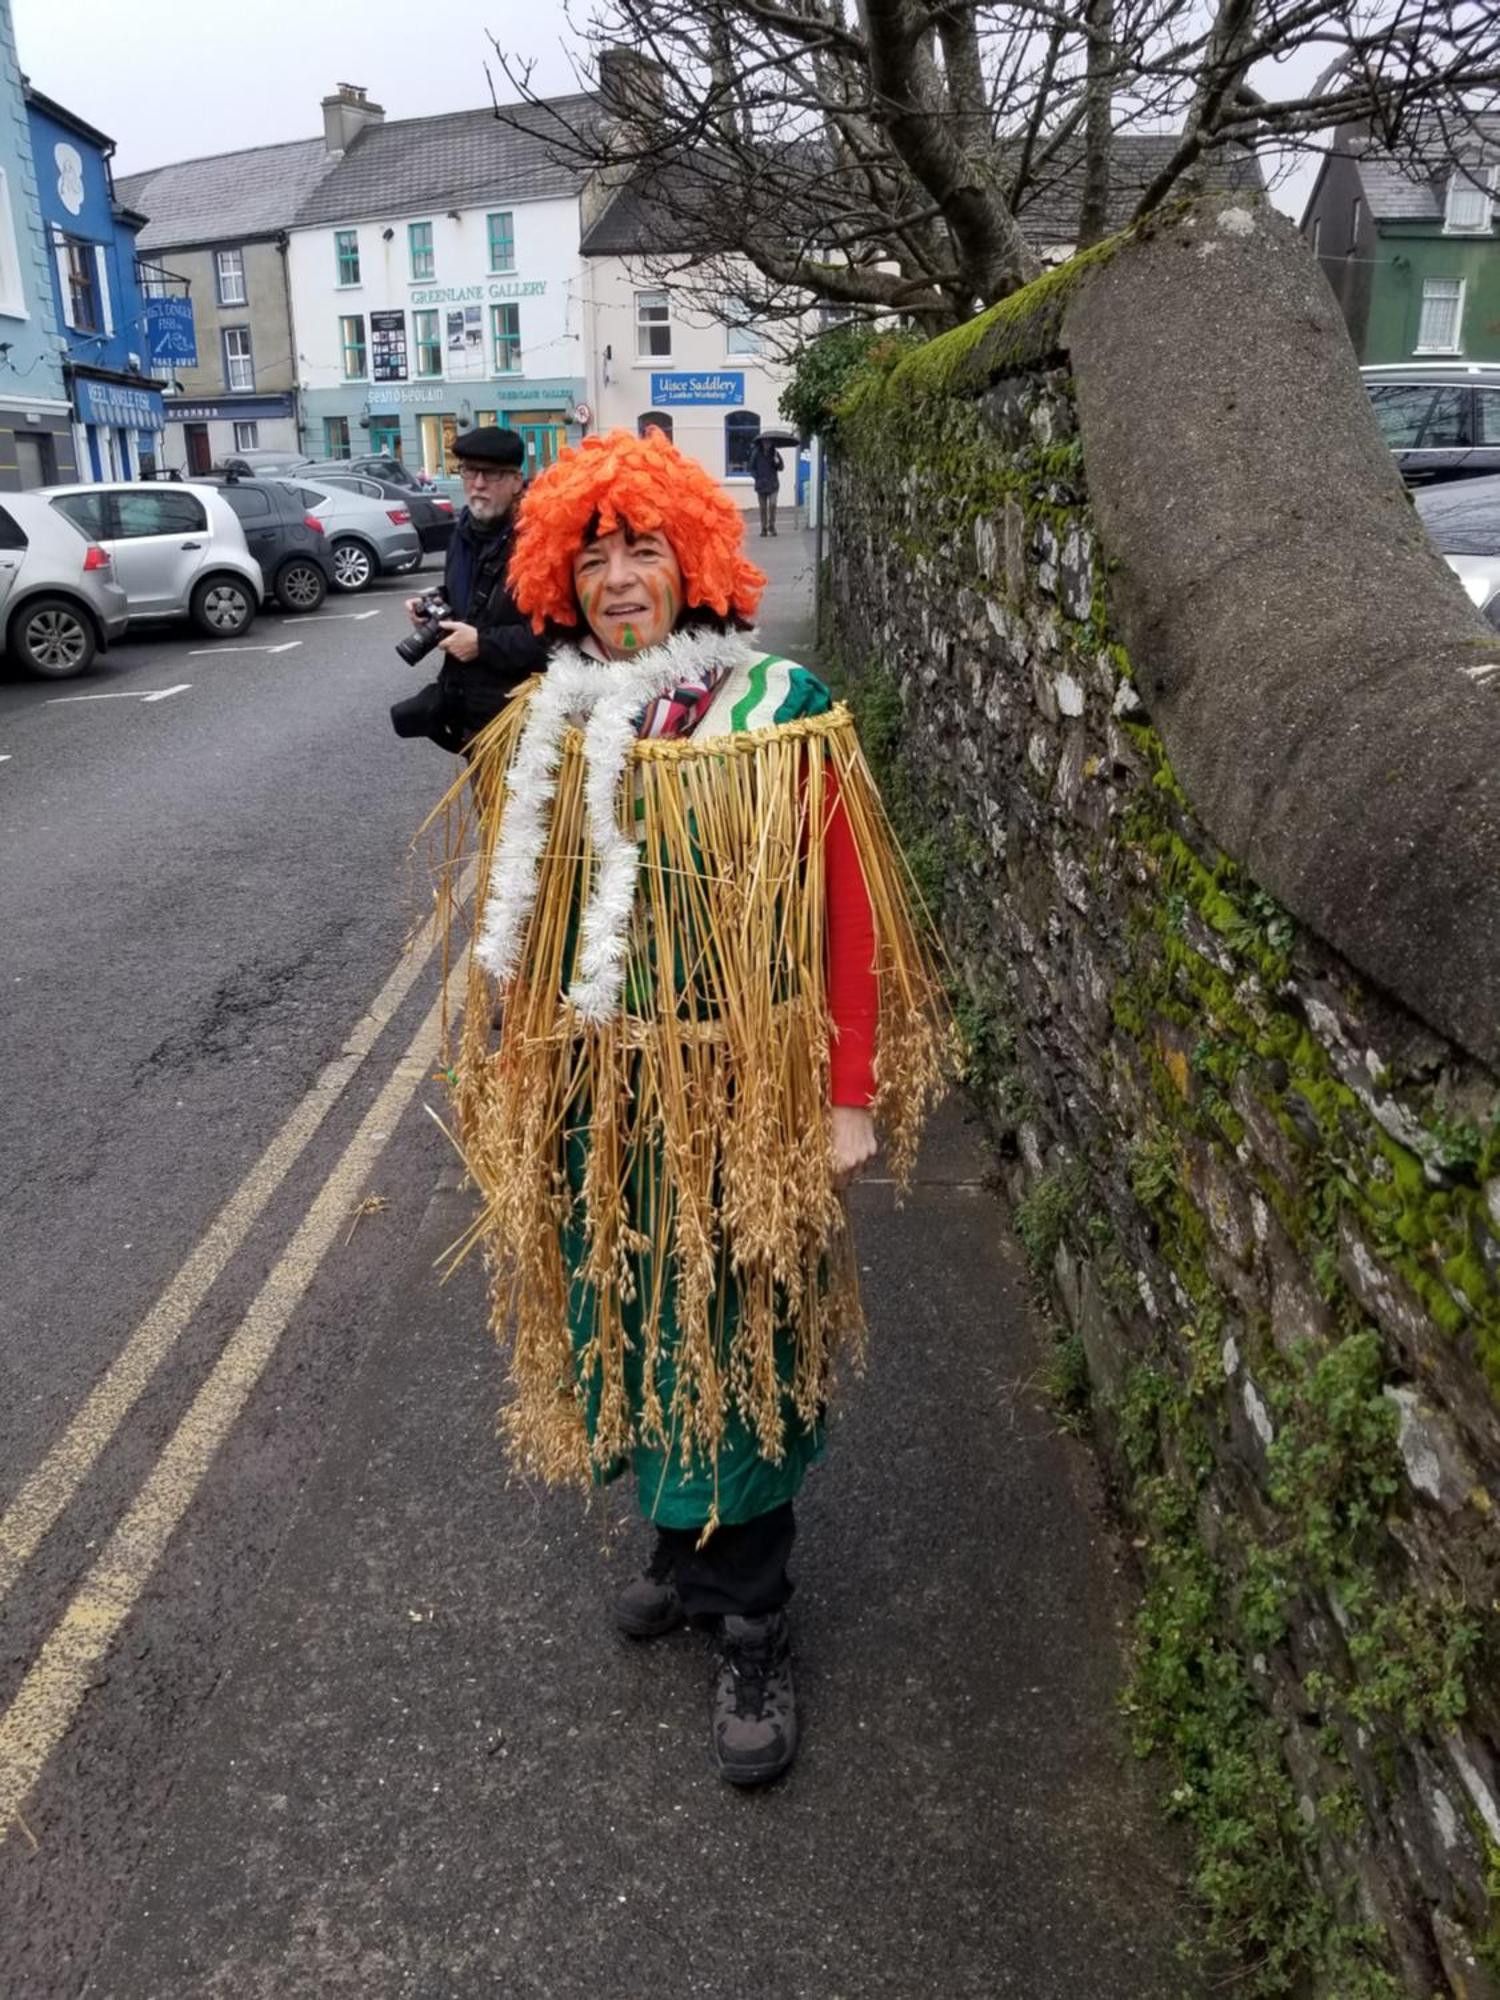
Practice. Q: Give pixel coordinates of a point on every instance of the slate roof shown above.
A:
(643, 218)
(227, 197)
(457, 160)
(1413, 188)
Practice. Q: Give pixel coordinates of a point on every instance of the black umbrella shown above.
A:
(785, 437)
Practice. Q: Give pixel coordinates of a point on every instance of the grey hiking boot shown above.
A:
(755, 1704)
(649, 1607)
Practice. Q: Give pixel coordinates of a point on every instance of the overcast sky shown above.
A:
(174, 79)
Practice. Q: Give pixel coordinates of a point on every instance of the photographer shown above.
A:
(489, 648)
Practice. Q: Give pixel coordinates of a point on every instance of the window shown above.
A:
(502, 242)
(1416, 416)
(654, 420)
(1470, 198)
(247, 437)
(81, 298)
(11, 536)
(1487, 413)
(336, 437)
(741, 429)
(239, 369)
(505, 325)
(249, 499)
(653, 325)
(154, 281)
(352, 342)
(419, 245)
(141, 514)
(1442, 316)
(229, 266)
(385, 435)
(12, 292)
(1356, 217)
(424, 326)
(88, 512)
(740, 337)
(346, 255)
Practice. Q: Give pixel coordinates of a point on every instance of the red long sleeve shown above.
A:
(853, 988)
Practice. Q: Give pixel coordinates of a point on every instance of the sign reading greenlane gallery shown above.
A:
(464, 295)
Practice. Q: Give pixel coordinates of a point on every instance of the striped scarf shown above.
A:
(676, 714)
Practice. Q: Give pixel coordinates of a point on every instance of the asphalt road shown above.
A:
(299, 1695)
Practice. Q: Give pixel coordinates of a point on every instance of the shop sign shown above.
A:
(553, 395)
(389, 396)
(388, 346)
(116, 406)
(170, 334)
(235, 409)
(463, 295)
(667, 390)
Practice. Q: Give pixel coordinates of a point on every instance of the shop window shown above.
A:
(502, 242)
(653, 325)
(419, 247)
(505, 326)
(247, 437)
(385, 436)
(654, 420)
(429, 343)
(336, 437)
(346, 255)
(229, 268)
(741, 429)
(352, 345)
(239, 368)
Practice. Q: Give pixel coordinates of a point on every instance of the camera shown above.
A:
(432, 609)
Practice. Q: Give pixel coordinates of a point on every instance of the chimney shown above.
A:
(630, 87)
(345, 116)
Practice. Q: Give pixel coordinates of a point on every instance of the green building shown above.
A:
(1409, 244)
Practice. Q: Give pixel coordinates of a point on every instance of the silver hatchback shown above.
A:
(59, 601)
(179, 550)
(369, 534)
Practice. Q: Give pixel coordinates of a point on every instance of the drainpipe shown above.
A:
(283, 246)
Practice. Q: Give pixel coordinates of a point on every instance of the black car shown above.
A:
(1440, 418)
(432, 514)
(287, 541)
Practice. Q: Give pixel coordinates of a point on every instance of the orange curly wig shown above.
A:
(644, 483)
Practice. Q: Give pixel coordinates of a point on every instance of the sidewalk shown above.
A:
(436, 1771)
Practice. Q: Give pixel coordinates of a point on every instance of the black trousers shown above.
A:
(740, 1571)
(767, 511)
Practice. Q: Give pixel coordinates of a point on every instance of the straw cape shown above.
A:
(648, 1129)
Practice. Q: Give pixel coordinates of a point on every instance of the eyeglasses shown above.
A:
(472, 474)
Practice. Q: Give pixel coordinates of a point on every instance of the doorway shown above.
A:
(544, 433)
(36, 460)
(199, 456)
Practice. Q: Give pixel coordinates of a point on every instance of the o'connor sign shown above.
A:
(468, 295)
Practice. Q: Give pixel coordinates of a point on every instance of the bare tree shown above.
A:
(915, 157)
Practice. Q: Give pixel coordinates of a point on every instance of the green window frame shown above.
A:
(346, 255)
(419, 249)
(502, 241)
(428, 340)
(505, 331)
(336, 437)
(352, 343)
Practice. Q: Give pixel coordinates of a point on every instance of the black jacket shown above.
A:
(467, 693)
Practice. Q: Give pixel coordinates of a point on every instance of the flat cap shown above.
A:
(490, 445)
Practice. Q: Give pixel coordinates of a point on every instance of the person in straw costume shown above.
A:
(695, 935)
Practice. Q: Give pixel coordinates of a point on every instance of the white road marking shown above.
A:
(51, 1487)
(198, 652)
(48, 1698)
(326, 617)
(126, 694)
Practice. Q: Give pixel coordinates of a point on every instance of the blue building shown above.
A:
(36, 432)
(118, 412)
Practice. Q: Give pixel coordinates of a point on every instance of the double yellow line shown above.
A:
(47, 1700)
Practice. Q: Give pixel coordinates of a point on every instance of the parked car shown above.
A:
(260, 464)
(179, 550)
(432, 514)
(1463, 520)
(60, 603)
(1440, 418)
(367, 537)
(287, 540)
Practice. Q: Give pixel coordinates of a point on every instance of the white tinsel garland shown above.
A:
(608, 696)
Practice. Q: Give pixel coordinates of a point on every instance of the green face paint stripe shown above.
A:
(628, 639)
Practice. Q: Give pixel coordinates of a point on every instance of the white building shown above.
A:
(435, 285)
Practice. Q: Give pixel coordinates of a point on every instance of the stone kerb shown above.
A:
(1329, 697)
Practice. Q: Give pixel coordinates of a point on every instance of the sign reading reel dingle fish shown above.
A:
(169, 331)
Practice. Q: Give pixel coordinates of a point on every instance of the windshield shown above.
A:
(1463, 519)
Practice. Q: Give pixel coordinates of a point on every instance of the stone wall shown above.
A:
(1225, 941)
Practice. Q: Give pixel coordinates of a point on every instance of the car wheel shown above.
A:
(222, 607)
(353, 566)
(300, 586)
(52, 638)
